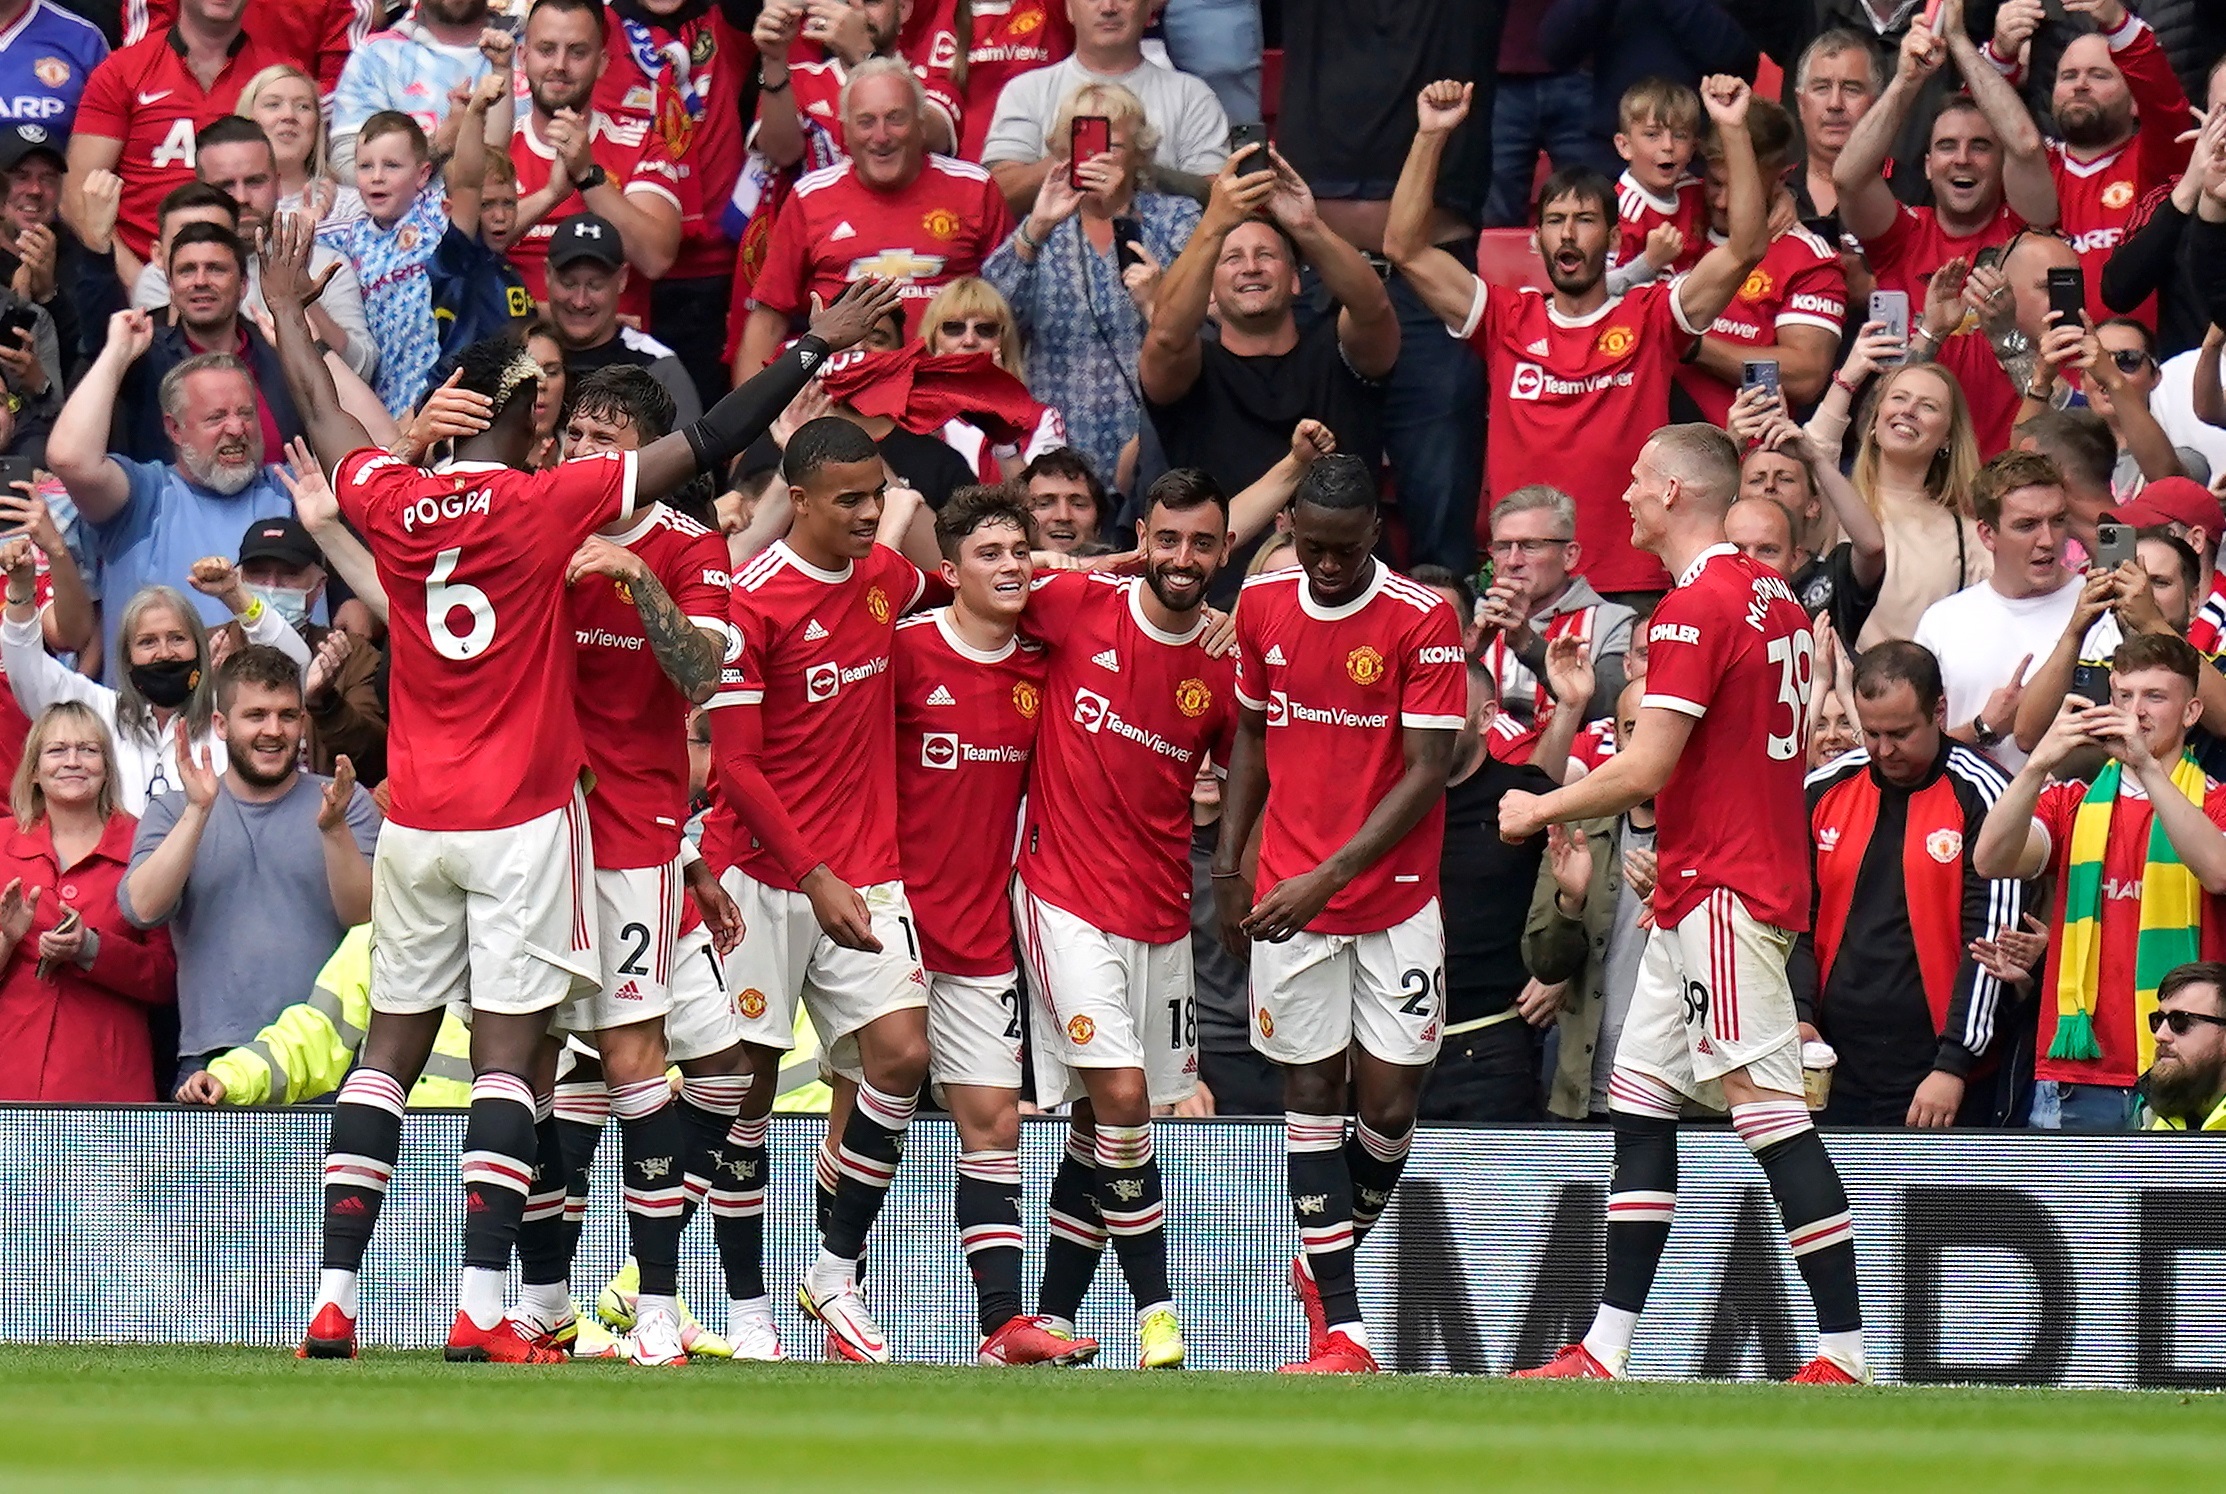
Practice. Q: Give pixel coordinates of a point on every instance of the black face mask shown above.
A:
(169, 683)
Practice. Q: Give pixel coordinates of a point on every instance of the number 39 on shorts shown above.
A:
(1796, 661)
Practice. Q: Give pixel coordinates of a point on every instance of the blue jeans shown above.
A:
(1433, 425)
(2081, 1107)
(1532, 114)
(1218, 41)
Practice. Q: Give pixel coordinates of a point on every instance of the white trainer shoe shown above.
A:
(755, 1338)
(851, 1330)
(655, 1340)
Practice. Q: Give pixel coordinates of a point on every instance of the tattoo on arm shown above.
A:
(688, 656)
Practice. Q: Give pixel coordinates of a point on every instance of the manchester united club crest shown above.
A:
(1024, 23)
(1616, 341)
(1267, 1024)
(877, 604)
(52, 71)
(941, 223)
(406, 240)
(2117, 195)
(1080, 1030)
(1759, 284)
(752, 1003)
(1027, 700)
(1364, 665)
(1192, 697)
(1944, 846)
(625, 592)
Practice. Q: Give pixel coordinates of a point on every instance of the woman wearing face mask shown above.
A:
(76, 980)
(281, 566)
(167, 684)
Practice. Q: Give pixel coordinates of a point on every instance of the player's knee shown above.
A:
(1118, 1098)
(1315, 1088)
(632, 1053)
(1390, 1115)
(763, 1065)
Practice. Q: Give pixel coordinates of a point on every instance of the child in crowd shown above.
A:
(416, 248)
(1662, 206)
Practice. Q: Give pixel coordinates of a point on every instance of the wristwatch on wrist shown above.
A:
(588, 180)
(1983, 734)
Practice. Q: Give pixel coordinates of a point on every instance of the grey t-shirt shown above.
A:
(1620, 977)
(1193, 130)
(255, 922)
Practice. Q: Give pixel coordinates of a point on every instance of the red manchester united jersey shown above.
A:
(145, 96)
(484, 730)
(1798, 284)
(684, 86)
(814, 661)
(1010, 37)
(1730, 647)
(834, 229)
(1131, 714)
(1903, 258)
(966, 728)
(634, 720)
(314, 35)
(638, 164)
(1573, 402)
(1341, 686)
(1639, 212)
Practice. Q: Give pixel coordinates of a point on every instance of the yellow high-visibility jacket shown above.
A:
(306, 1052)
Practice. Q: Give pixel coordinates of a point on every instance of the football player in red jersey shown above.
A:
(1578, 376)
(969, 693)
(1353, 685)
(1719, 748)
(1133, 706)
(480, 897)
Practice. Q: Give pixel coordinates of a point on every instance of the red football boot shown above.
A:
(1822, 1371)
(1338, 1355)
(1024, 1340)
(1310, 1302)
(332, 1335)
(1573, 1363)
(508, 1342)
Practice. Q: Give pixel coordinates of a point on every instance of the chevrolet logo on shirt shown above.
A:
(897, 264)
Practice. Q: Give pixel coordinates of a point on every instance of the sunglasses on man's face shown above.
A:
(954, 330)
(2181, 1022)
(2129, 360)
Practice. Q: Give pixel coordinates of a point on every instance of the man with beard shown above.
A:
(152, 519)
(1132, 706)
(258, 871)
(1579, 379)
(2184, 1088)
(2124, 120)
(573, 158)
(415, 67)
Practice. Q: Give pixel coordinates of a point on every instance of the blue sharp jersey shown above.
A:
(45, 58)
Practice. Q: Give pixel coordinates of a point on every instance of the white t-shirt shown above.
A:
(1979, 635)
(1193, 131)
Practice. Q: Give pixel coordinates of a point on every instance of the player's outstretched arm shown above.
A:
(1631, 777)
(726, 430)
(1243, 793)
(288, 290)
(1295, 902)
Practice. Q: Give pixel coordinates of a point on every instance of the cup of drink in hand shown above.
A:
(1818, 1059)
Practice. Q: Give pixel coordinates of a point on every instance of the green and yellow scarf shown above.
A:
(2171, 915)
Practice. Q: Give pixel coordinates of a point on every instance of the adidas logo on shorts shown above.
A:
(628, 992)
(1107, 660)
(1275, 654)
(813, 632)
(941, 695)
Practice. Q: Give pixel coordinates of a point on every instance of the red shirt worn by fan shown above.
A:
(693, 103)
(485, 726)
(966, 729)
(633, 720)
(1341, 686)
(1131, 713)
(1730, 647)
(639, 165)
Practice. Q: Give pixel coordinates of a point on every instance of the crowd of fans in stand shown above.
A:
(1978, 253)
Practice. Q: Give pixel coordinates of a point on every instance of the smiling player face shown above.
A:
(992, 571)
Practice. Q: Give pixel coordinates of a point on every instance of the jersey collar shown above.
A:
(1666, 206)
(463, 466)
(177, 42)
(1157, 634)
(1700, 562)
(1342, 610)
(1555, 314)
(650, 514)
(829, 578)
(965, 650)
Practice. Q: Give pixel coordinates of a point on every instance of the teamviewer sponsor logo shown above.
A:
(1090, 709)
(822, 681)
(939, 749)
(1529, 382)
(1094, 713)
(1279, 708)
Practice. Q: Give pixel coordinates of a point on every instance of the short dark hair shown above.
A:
(1338, 481)
(2191, 564)
(1460, 586)
(395, 122)
(2004, 475)
(2210, 973)
(1769, 127)
(209, 233)
(1186, 488)
(1065, 461)
(187, 196)
(497, 367)
(972, 507)
(2159, 651)
(1901, 662)
(1581, 182)
(232, 129)
(578, 7)
(822, 442)
(2139, 329)
(624, 391)
(255, 664)
(2078, 440)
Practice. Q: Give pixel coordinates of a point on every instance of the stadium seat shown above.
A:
(1504, 257)
(1271, 87)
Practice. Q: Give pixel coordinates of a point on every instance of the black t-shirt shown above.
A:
(926, 465)
(1828, 584)
(1351, 70)
(1236, 420)
(1484, 890)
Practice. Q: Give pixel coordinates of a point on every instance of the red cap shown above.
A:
(2174, 500)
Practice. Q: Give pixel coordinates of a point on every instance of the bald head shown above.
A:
(2026, 269)
(1763, 532)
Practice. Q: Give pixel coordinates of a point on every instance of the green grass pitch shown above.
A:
(237, 1418)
